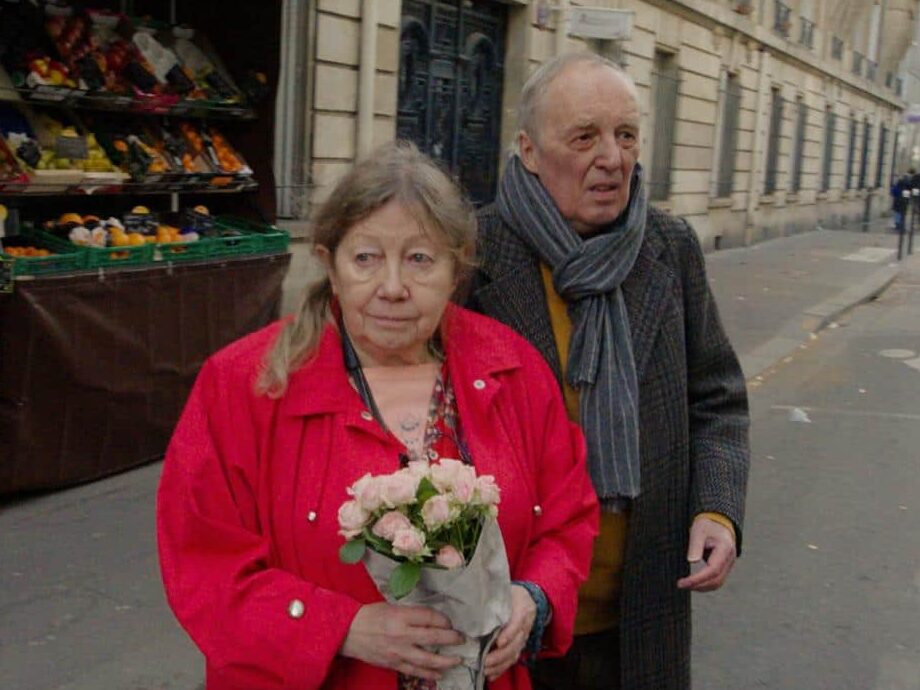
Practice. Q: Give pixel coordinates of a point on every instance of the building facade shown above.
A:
(761, 118)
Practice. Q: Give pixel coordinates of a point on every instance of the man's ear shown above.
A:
(528, 150)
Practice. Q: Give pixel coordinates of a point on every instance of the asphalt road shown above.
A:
(827, 593)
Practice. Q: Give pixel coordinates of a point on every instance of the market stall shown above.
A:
(135, 231)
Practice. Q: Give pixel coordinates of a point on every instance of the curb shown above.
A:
(802, 328)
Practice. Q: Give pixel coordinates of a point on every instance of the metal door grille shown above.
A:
(450, 87)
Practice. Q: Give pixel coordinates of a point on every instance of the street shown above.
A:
(827, 593)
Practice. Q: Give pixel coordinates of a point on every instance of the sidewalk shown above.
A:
(81, 606)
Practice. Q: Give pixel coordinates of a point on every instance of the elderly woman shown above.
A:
(378, 368)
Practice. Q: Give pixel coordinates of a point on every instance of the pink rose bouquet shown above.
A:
(427, 535)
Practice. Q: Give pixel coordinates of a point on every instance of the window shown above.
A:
(798, 151)
(864, 162)
(837, 48)
(871, 70)
(728, 135)
(782, 18)
(807, 37)
(851, 155)
(880, 164)
(776, 126)
(858, 59)
(665, 85)
(830, 124)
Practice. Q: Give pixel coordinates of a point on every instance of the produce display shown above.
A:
(59, 51)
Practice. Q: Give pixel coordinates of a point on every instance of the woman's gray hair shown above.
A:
(538, 83)
(395, 172)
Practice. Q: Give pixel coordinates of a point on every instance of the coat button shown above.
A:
(367, 416)
(311, 516)
(295, 608)
(479, 384)
(538, 510)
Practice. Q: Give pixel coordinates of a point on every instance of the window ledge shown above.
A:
(767, 200)
(822, 196)
(720, 202)
(792, 198)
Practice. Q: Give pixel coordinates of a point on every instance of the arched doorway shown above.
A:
(450, 86)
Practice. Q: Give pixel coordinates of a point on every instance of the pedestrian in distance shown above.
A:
(614, 295)
(900, 202)
(376, 370)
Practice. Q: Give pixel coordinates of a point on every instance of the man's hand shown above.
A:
(511, 640)
(709, 536)
(394, 636)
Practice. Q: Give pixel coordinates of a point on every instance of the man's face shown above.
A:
(586, 144)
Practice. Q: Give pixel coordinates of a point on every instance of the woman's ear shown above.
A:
(325, 256)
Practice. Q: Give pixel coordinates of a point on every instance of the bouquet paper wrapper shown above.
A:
(476, 598)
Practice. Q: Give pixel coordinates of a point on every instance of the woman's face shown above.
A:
(393, 281)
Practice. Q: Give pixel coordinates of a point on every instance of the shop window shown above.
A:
(728, 135)
(798, 153)
(776, 127)
(880, 165)
(666, 82)
(827, 163)
(851, 156)
(864, 161)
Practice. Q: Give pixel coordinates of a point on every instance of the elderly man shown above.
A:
(614, 295)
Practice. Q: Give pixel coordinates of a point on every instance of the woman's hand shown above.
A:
(511, 640)
(394, 636)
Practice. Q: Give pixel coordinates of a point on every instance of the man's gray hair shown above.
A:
(536, 86)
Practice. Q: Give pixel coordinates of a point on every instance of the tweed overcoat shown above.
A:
(694, 450)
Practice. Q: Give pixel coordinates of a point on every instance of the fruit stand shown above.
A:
(134, 240)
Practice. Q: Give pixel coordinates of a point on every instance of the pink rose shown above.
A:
(399, 488)
(464, 484)
(419, 468)
(437, 511)
(352, 519)
(444, 472)
(368, 491)
(487, 491)
(390, 523)
(408, 542)
(449, 557)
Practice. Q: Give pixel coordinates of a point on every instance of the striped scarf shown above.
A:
(587, 274)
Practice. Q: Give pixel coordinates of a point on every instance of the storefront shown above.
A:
(138, 193)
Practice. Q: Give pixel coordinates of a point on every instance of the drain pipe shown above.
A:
(367, 71)
(753, 198)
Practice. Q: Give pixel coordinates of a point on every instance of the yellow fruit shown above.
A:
(140, 210)
(135, 239)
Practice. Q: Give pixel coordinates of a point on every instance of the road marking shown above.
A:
(870, 255)
(849, 413)
(897, 353)
(897, 673)
(913, 363)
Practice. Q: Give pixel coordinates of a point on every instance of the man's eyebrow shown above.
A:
(579, 125)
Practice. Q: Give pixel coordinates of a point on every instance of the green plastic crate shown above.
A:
(105, 257)
(65, 258)
(254, 238)
(199, 250)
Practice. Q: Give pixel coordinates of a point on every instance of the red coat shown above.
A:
(248, 501)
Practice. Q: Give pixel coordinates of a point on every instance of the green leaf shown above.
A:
(404, 578)
(425, 491)
(352, 551)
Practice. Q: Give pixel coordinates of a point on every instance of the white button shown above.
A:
(479, 384)
(538, 510)
(367, 416)
(295, 608)
(311, 516)
(432, 454)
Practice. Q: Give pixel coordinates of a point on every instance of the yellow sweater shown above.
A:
(599, 596)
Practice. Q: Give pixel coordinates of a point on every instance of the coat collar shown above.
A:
(514, 293)
(321, 384)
